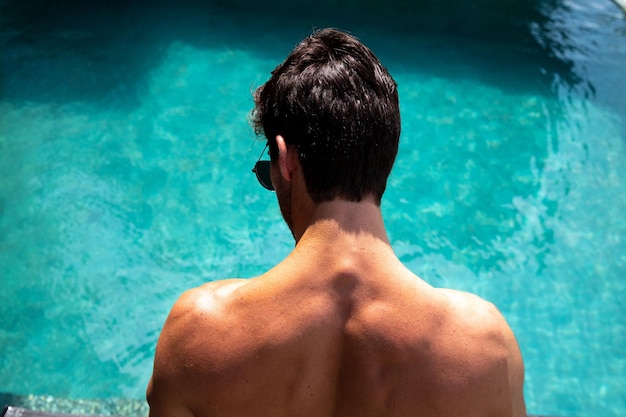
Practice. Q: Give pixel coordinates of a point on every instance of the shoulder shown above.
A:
(198, 306)
(199, 314)
(198, 319)
(481, 323)
(205, 299)
(488, 345)
(479, 317)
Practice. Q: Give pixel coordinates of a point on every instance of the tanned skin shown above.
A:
(340, 328)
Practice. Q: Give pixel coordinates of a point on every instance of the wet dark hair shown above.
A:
(333, 100)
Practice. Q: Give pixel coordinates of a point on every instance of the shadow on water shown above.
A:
(102, 50)
(7, 399)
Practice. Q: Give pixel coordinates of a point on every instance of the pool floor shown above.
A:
(49, 404)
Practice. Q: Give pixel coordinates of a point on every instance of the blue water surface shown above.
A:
(125, 158)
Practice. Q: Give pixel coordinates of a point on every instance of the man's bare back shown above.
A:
(340, 328)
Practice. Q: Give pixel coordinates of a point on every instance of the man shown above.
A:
(340, 327)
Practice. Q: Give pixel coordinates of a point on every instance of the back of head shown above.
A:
(335, 102)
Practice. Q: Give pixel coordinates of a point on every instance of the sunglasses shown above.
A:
(262, 171)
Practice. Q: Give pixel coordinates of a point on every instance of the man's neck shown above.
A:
(344, 240)
(329, 221)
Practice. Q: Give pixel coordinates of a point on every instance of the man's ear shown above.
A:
(287, 158)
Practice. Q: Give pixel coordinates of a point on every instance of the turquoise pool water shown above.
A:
(125, 160)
